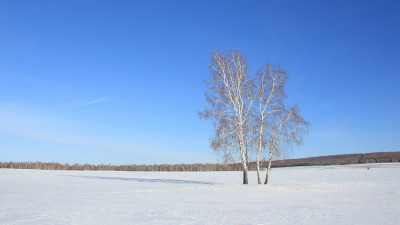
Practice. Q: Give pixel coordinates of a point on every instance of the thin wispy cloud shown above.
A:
(92, 102)
(26, 125)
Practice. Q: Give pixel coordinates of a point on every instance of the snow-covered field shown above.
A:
(349, 194)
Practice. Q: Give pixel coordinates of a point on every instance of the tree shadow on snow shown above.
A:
(145, 180)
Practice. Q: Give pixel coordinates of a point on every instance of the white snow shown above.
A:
(349, 194)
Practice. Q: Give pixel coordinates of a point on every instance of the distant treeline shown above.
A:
(377, 157)
(155, 167)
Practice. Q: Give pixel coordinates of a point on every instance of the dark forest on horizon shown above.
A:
(343, 159)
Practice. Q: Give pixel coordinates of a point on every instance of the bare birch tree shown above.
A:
(287, 128)
(230, 100)
(270, 84)
(241, 126)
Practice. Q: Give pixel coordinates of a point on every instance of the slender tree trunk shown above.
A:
(245, 176)
(247, 157)
(243, 156)
(258, 168)
(259, 148)
(269, 166)
(258, 161)
(245, 169)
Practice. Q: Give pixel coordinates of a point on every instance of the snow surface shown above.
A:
(349, 194)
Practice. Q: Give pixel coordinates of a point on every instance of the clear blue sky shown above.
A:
(121, 82)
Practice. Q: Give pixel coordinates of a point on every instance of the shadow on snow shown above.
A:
(145, 180)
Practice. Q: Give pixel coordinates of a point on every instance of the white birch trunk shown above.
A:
(258, 156)
(244, 163)
(269, 166)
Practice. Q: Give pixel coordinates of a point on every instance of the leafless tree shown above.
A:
(230, 100)
(270, 85)
(287, 127)
(241, 126)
